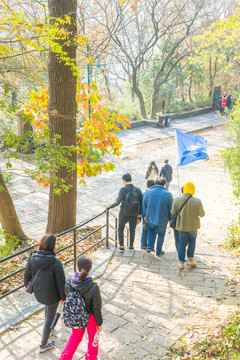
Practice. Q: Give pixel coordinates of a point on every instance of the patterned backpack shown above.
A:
(74, 311)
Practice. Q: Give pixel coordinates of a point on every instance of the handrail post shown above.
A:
(116, 231)
(75, 250)
(107, 228)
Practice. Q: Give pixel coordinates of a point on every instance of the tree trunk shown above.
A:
(62, 109)
(182, 92)
(154, 101)
(137, 91)
(107, 85)
(190, 90)
(8, 215)
(212, 75)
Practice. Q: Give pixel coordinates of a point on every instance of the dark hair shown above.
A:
(151, 166)
(150, 183)
(84, 264)
(182, 187)
(47, 242)
(160, 181)
(127, 177)
(166, 161)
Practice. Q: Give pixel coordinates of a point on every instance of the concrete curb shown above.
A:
(174, 116)
(20, 306)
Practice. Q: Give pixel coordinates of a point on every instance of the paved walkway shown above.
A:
(31, 201)
(147, 303)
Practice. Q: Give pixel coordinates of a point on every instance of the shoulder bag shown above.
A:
(29, 288)
(173, 221)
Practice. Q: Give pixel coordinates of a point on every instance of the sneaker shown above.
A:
(46, 347)
(191, 262)
(131, 248)
(161, 253)
(143, 248)
(121, 249)
(148, 250)
(181, 265)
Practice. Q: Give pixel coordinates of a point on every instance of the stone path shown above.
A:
(143, 133)
(147, 303)
(31, 201)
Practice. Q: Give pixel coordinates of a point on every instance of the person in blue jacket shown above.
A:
(157, 205)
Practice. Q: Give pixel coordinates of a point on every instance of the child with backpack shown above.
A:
(82, 310)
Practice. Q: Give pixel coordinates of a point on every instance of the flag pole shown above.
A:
(178, 182)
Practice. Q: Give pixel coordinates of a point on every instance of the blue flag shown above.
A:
(190, 148)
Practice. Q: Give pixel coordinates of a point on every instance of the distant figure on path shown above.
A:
(49, 286)
(130, 197)
(152, 171)
(166, 173)
(220, 106)
(157, 204)
(188, 222)
(144, 236)
(224, 104)
(83, 284)
(229, 102)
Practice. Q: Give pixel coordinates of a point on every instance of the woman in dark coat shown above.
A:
(49, 286)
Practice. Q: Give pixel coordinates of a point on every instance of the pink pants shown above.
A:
(76, 338)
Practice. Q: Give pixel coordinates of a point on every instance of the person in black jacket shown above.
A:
(49, 286)
(166, 173)
(90, 292)
(130, 197)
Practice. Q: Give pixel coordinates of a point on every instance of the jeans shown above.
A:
(144, 234)
(152, 230)
(76, 338)
(123, 219)
(50, 311)
(186, 238)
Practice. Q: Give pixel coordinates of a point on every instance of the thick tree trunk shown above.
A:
(137, 91)
(154, 101)
(8, 215)
(62, 109)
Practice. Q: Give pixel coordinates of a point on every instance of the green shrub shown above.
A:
(7, 177)
(233, 235)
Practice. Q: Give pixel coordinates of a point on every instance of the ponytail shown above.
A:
(82, 275)
(84, 265)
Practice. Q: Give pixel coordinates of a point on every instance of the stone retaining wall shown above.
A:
(184, 115)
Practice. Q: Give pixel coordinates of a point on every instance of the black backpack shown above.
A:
(131, 203)
(74, 311)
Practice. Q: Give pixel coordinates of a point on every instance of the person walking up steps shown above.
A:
(166, 173)
(89, 291)
(188, 223)
(130, 197)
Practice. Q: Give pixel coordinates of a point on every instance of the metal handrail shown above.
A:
(106, 238)
(62, 233)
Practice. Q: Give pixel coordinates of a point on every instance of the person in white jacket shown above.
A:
(152, 171)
